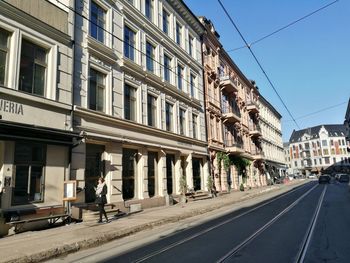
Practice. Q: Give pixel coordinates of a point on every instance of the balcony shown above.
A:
(252, 106)
(228, 84)
(231, 114)
(254, 130)
(257, 154)
(233, 146)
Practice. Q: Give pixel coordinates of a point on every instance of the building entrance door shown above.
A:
(196, 167)
(170, 161)
(129, 173)
(94, 168)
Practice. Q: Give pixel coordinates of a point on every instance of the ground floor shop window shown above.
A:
(29, 173)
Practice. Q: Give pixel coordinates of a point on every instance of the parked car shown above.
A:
(343, 178)
(324, 179)
(312, 176)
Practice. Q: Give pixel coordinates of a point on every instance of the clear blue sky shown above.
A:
(309, 62)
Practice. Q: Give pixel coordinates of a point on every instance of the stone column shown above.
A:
(178, 173)
(189, 171)
(114, 171)
(161, 176)
(78, 169)
(205, 174)
(223, 178)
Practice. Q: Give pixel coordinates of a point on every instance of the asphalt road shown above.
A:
(308, 224)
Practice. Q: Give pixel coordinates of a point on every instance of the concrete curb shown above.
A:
(107, 237)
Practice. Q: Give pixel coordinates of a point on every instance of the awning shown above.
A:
(16, 131)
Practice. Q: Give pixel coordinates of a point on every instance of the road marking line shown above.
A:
(309, 233)
(214, 227)
(263, 228)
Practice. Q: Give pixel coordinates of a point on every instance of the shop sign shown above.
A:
(11, 107)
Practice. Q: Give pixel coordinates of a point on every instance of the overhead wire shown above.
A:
(258, 62)
(318, 111)
(284, 27)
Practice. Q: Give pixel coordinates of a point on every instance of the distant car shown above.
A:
(312, 176)
(324, 179)
(343, 178)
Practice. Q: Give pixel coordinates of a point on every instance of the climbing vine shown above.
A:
(220, 156)
(240, 162)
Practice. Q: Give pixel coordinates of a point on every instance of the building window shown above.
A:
(167, 63)
(4, 39)
(190, 46)
(97, 22)
(129, 103)
(149, 57)
(169, 117)
(97, 90)
(325, 152)
(178, 33)
(29, 175)
(295, 163)
(149, 9)
(334, 160)
(180, 71)
(326, 160)
(129, 43)
(195, 125)
(129, 173)
(324, 143)
(192, 84)
(320, 160)
(166, 22)
(151, 110)
(182, 121)
(332, 142)
(32, 68)
(332, 151)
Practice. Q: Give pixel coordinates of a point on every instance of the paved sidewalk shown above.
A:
(40, 245)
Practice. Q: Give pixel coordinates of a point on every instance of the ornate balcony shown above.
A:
(233, 146)
(252, 106)
(257, 154)
(228, 84)
(231, 114)
(254, 130)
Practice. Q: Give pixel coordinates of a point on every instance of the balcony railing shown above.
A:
(252, 105)
(254, 130)
(233, 146)
(228, 83)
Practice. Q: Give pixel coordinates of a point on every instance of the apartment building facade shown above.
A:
(318, 149)
(272, 144)
(139, 100)
(35, 106)
(231, 115)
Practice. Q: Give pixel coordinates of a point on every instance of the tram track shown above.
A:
(204, 231)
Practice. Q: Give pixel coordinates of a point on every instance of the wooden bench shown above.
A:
(51, 214)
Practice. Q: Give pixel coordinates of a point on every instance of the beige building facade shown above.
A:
(139, 101)
(35, 108)
(232, 117)
(272, 144)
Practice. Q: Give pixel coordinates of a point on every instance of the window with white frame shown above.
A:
(97, 90)
(4, 51)
(190, 45)
(166, 19)
(149, 7)
(150, 56)
(129, 102)
(33, 67)
(151, 110)
(167, 66)
(195, 125)
(169, 117)
(192, 85)
(182, 121)
(180, 73)
(129, 43)
(178, 34)
(97, 22)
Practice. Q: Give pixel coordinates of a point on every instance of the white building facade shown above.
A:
(139, 100)
(272, 144)
(319, 149)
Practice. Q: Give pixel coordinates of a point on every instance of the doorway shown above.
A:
(94, 168)
(170, 162)
(129, 173)
(152, 170)
(196, 167)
